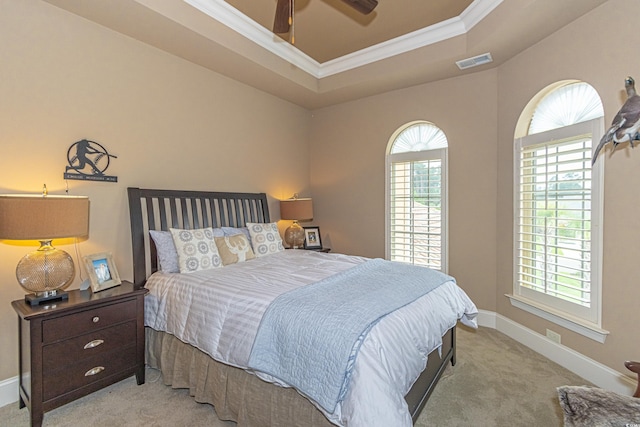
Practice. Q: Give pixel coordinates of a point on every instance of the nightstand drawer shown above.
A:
(62, 353)
(87, 371)
(87, 321)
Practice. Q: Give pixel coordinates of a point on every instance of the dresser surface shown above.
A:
(71, 348)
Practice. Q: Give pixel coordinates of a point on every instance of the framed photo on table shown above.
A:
(312, 238)
(102, 271)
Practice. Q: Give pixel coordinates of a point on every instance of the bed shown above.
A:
(248, 396)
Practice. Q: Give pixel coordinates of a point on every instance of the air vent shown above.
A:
(463, 64)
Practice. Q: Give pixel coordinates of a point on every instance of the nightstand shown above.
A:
(71, 348)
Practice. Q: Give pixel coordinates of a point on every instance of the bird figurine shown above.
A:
(626, 124)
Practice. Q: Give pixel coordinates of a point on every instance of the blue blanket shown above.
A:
(310, 337)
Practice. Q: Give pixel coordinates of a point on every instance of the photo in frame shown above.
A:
(102, 271)
(312, 238)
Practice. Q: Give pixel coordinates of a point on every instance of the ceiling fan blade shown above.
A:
(281, 21)
(362, 6)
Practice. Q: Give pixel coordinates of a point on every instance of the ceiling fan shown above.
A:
(285, 11)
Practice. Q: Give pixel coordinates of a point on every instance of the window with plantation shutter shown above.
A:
(416, 196)
(557, 235)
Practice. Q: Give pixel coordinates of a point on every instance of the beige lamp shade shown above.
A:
(37, 217)
(296, 209)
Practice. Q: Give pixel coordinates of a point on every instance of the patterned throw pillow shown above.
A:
(196, 249)
(234, 249)
(265, 238)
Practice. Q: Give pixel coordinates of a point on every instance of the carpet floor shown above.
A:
(496, 382)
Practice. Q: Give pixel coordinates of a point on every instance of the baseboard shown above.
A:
(8, 391)
(592, 371)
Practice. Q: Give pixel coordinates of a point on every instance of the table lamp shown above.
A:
(297, 210)
(44, 217)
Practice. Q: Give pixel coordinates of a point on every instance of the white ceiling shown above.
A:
(339, 54)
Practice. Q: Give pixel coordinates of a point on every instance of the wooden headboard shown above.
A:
(164, 209)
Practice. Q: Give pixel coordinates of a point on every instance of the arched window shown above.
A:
(558, 196)
(416, 164)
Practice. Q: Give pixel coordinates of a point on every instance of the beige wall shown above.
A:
(172, 124)
(478, 113)
(347, 150)
(599, 49)
(176, 125)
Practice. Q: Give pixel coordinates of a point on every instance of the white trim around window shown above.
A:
(582, 317)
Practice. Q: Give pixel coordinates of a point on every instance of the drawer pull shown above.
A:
(93, 344)
(94, 371)
(96, 319)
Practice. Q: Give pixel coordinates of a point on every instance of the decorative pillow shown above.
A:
(265, 238)
(232, 231)
(196, 249)
(234, 249)
(166, 249)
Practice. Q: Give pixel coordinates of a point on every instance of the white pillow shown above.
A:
(196, 249)
(265, 238)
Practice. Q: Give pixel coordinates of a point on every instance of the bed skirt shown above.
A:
(235, 394)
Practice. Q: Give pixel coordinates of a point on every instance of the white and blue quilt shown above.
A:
(310, 337)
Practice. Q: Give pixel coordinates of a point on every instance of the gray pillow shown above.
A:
(167, 254)
(232, 231)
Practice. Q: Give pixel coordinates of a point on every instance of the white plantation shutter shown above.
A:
(416, 197)
(416, 220)
(554, 238)
(557, 222)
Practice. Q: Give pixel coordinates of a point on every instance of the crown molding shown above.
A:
(477, 11)
(420, 38)
(231, 17)
(227, 15)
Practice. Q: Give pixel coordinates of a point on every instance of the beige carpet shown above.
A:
(496, 382)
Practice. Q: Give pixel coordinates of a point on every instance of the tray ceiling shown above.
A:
(339, 54)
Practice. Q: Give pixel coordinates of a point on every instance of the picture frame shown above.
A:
(102, 271)
(312, 238)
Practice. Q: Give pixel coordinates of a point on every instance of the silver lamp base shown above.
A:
(294, 236)
(45, 272)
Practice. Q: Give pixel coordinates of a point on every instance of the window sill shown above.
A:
(576, 325)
